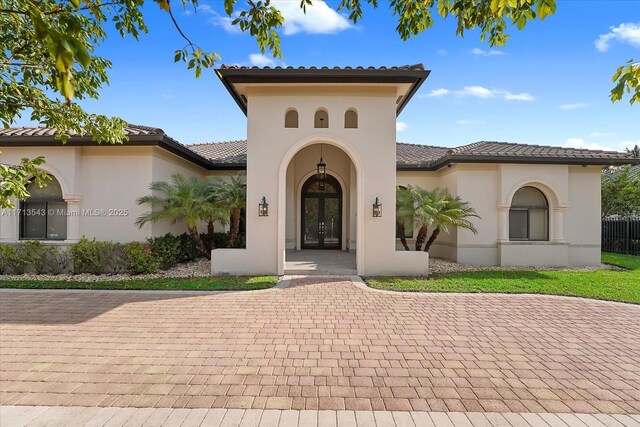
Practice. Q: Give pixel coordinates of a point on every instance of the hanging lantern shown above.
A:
(321, 173)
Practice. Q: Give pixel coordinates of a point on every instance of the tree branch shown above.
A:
(21, 64)
(175, 23)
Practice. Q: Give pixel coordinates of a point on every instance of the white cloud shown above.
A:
(624, 33)
(601, 134)
(475, 91)
(400, 126)
(580, 143)
(480, 92)
(442, 52)
(468, 122)
(218, 20)
(319, 18)
(260, 60)
(572, 106)
(479, 52)
(485, 93)
(436, 93)
(516, 96)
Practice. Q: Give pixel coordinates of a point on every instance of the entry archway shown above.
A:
(357, 194)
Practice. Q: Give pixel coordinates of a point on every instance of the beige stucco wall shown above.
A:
(573, 194)
(101, 184)
(108, 179)
(271, 148)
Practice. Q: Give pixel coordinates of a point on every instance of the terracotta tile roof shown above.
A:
(130, 130)
(507, 149)
(227, 152)
(415, 67)
(233, 154)
(414, 156)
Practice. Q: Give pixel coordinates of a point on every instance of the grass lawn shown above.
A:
(623, 286)
(222, 283)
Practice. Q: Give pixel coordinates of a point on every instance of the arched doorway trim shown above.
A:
(298, 206)
(282, 193)
(321, 213)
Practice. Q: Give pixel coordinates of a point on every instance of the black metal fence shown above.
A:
(621, 235)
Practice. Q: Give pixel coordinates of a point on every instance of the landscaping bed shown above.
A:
(198, 268)
(622, 283)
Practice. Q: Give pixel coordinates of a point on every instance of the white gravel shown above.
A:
(441, 266)
(198, 268)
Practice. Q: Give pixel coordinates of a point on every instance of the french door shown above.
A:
(321, 214)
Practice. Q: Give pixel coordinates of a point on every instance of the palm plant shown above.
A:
(452, 212)
(232, 194)
(181, 200)
(213, 211)
(635, 151)
(405, 212)
(427, 205)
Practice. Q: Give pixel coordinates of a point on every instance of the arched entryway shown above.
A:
(321, 214)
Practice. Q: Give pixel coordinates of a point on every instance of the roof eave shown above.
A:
(533, 160)
(230, 76)
(160, 140)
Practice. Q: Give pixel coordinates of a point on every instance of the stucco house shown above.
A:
(538, 205)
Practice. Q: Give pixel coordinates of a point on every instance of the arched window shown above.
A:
(43, 216)
(321, 120)
(351, 119)
(291, 119)
(529, 215)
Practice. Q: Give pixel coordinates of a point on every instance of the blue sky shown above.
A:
(549, 85)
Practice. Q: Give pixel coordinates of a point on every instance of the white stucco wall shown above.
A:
(102, 184)
(573, 194)
(370, 147)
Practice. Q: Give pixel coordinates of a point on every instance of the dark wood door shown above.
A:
(321, 214)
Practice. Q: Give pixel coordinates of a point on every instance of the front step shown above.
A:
(321, 272)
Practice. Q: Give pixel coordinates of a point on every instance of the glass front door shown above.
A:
(322, 214)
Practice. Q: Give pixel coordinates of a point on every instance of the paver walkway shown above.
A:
(319, 344)
(18, 416)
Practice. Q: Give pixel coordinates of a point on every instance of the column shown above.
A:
(73, 218)
(503, 223)
(558, 225)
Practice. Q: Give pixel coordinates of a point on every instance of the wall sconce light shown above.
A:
(263, 207)
(377, 209)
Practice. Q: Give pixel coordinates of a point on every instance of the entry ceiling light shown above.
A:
(321, 172)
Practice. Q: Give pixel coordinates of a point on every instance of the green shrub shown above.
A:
(56, 260)
(119, 260)
(19, 256)
(94, 257)
(4, 262)
(188, 248)
(222, 240)
(168, 250)
(141, 259)
(35, 252)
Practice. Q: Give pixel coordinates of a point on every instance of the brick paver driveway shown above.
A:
(320, 343)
